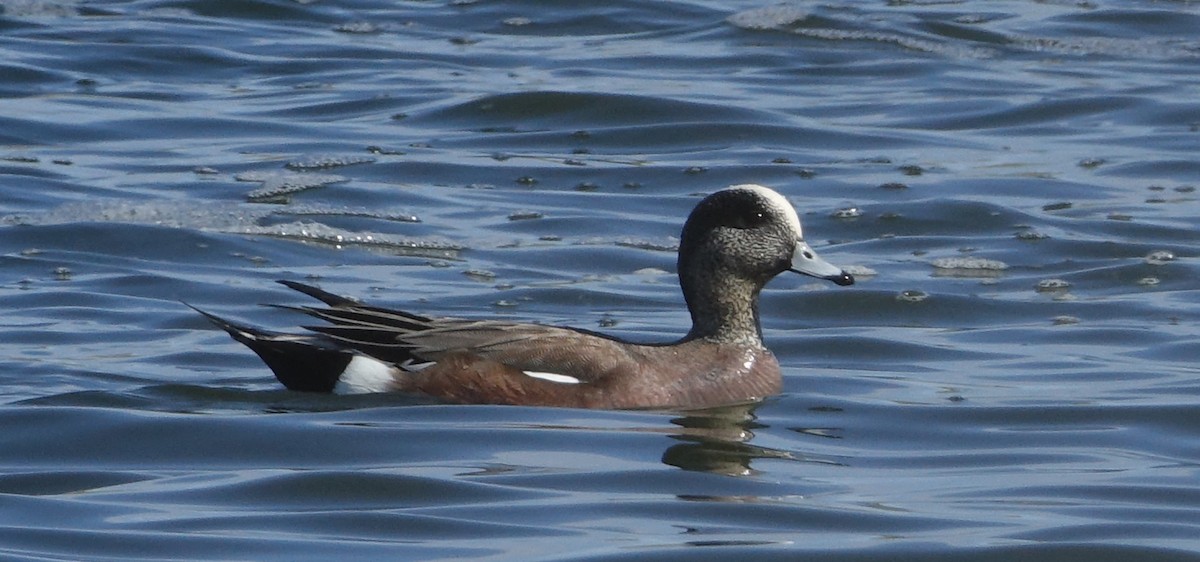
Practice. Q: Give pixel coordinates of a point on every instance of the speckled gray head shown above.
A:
(752, 231)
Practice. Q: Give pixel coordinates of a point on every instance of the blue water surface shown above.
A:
(1014, 377)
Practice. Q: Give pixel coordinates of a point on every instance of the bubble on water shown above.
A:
(971, 19)
(1031, 235)
(847, 213)
(480, 274)
(1148, 281)
(385, 151)
(1160, 257)
(319, 162)
(888, 37)
(911, 295)
(1065, 320)
(671, 245)
(361, 27)
(968, 267)
(62, 273)
(1141, 47)
(276, 185)
(214, 216)
(524, 215)
(307, 231)
(1052, 285)
(336, 211)
(859, 270)
(969, 263)
(254, 176)
(770, 17)
(39, 8)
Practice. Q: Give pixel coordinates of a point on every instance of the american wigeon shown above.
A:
(734, 241)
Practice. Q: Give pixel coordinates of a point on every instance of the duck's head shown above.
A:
(753, 232)
(735, 241)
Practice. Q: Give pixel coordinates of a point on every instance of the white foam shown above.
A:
(969, 263)
(553, 377)
(770, 17)
(778, 201)
(365, 375)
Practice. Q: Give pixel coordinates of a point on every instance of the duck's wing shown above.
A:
(410, 339)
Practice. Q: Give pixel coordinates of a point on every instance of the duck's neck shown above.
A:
(723, 308)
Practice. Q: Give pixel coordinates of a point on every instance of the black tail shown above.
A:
(321, 295)
(300, 362)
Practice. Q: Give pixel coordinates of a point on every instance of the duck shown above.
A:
(734, 241)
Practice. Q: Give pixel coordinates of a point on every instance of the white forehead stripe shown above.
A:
(785, 207)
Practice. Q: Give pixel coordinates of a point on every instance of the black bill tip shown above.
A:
(842, 279)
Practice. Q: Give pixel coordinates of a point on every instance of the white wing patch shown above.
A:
(365, 375)
(553, 377)
(412, 366)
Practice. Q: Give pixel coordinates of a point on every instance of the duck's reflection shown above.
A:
(717, 440)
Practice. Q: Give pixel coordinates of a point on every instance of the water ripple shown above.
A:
(1013, 376)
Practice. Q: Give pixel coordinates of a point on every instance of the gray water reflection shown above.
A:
(1016, 379)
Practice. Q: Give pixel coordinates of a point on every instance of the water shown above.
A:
(1014, 377)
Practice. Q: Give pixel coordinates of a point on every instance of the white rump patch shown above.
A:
(365, 375)
(553, 377)
(785, 206)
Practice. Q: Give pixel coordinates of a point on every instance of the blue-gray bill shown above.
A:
(806, 262)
